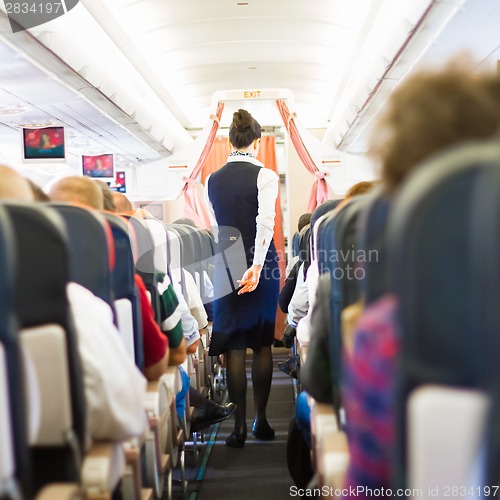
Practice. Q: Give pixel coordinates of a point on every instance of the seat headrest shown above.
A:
(124, 269)
(90, 245)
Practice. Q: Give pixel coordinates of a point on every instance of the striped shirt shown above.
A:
(171, 313)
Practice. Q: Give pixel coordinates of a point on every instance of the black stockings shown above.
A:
(262, 373)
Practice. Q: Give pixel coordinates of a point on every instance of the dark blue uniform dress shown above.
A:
(247, 320)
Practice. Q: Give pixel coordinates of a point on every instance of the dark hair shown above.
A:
(304, 219)
(244, 129)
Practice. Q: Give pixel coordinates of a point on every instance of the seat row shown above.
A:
(43, 248)
(433, 250)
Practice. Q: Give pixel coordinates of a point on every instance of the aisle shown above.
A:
(259, 469)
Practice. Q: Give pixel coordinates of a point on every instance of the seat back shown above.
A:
(189, 247)
(338, 254)
(443, 341)
(372, 241)
(48, 335)
(90, 248)
(14, 458)
(208, 248)
(127, 303)
(145, 262)
(159, 238)
(176, 260)
(485, 243)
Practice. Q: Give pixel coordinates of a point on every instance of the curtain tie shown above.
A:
(215, 119)
(320, 175)
(188, 180)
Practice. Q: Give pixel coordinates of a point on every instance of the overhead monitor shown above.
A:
(43, 144)
(99, 166)
(119, 184)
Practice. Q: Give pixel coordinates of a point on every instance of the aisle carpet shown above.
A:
(259, 470)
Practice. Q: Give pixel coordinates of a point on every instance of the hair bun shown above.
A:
(242, 120)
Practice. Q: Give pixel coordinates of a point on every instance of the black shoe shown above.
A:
(290, 367)
(210, 414)
(237, 438)
(262, 430)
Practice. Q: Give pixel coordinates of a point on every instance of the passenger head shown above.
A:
(78, 190)
(14, 186)
(107, 196)
(359, 189)
(243, 130)
(38, 193)
(431, 111)
(122, 203)
(304, 219)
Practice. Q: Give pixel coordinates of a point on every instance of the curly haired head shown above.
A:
(430, 111)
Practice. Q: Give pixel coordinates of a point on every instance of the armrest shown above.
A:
(132, 479)
(331, 450)
(302, 351)
(323, 418)
(61, 492)
(172, 379)
(334, 459)
(102, 468)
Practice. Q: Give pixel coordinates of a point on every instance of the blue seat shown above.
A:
(41, 277)
(190, 246)
(123, 279)
(295, 244)
(372, 241)
(486, 295)
(338, 255)
(435, 275)
(90, 250)
(145, 262)
(15, 472)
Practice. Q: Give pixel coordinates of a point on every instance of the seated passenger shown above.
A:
(181, 323)
(88, 193)
(38, 193)
(122, 204)
(107, 196)
(14, 186)
(427, 113)
(114, 388)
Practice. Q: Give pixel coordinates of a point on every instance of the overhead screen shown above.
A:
(119, 184)
(43, 144)
(100, 166)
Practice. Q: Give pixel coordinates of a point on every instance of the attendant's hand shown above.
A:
(250, 279)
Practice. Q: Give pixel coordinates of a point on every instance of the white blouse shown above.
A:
(267, 186)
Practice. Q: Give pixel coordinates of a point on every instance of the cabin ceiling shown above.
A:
(135, 76)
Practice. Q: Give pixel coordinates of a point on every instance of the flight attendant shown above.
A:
(241, 197)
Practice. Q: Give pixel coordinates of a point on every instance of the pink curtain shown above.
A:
(195, 207)
(217, 157)
(319, 191)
